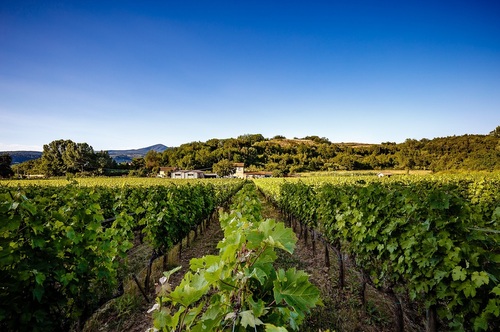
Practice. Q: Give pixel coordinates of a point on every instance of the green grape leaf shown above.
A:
(480, 278)
(191, 289)
(272, 328)
(38, 292)
(248, 319)
(459, 273)
(480, 323)
(277, 235)
(295, 289)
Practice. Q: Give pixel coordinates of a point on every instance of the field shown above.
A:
(363, 173)
(384, 252)
(105, 181)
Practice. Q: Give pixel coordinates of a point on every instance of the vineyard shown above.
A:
(239, 289)
(430, 244)
(427, 242)
(64, 248)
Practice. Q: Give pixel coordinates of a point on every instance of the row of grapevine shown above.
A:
(239, 289)
(63, 249)
(436, 240)
(115, 182)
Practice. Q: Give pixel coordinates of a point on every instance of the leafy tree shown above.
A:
(65, 156)
(152, 159)
(33, 166)
(141, 172)
(250, 139)
(224, 168)
(318, 139)
(103, 160)
(138, 163)
(78, 157)
(496, 132)
(53, 163)
(5, 169)
(280, 172)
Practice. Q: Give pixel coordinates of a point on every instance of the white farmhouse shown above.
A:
(187, 174)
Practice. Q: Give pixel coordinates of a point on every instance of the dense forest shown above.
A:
(312, 153)
(280, 155)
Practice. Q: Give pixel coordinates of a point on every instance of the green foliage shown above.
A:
(239, 288)
(312, 153)
(284, 156)
(496, 132)
(60, 157)
(435, 238)
(5, 169)
(59, 258)
(223, 168)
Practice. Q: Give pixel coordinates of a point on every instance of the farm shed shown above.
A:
(240, 173)
(166, 171)
(188, 174)
(239, 170)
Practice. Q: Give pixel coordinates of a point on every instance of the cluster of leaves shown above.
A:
(169, 213)
(59, 260)
(239, 288)
(436, 239)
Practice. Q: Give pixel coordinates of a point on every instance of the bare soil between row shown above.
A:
(342, 309)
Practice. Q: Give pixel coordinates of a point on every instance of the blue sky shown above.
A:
(129, 74)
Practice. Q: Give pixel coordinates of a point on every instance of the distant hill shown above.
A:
(119, 156)
(124, 156)
(22, 156)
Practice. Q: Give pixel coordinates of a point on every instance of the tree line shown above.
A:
(63, 157)
(278, 154)
(313, 153)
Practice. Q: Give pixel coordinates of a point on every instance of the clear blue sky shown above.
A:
(129, 74)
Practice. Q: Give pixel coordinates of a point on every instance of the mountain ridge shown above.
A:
(125, 156)
(118, 155)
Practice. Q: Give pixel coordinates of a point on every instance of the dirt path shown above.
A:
(342, 310)
(129, 312)
(204, 244)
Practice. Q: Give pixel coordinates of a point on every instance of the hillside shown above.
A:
(121, 156)
(312, 153)
(22, 156)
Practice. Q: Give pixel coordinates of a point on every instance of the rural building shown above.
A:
(240, 173)
(188, 174)
(165, 172)
(239, 170)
